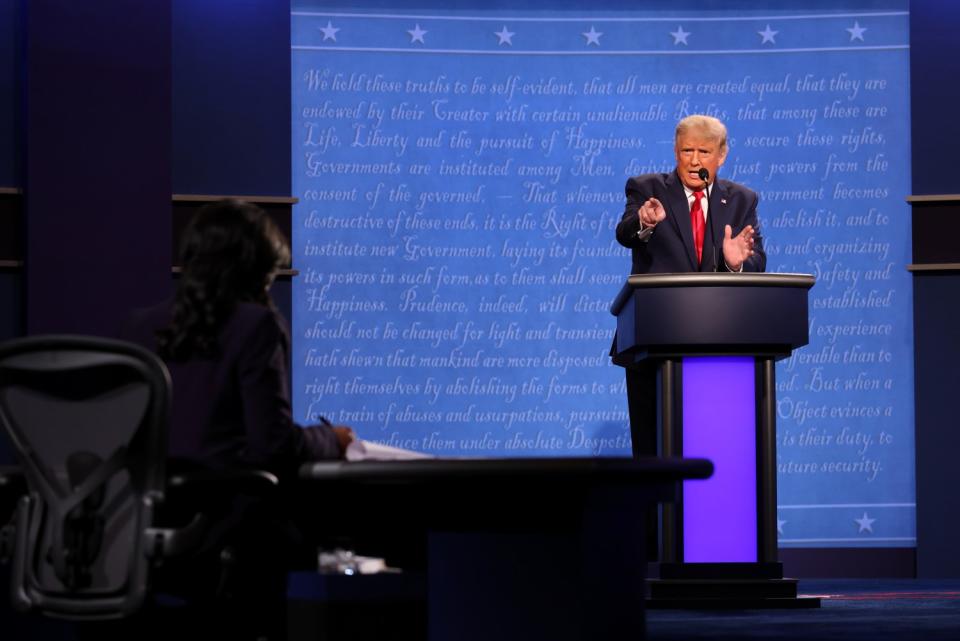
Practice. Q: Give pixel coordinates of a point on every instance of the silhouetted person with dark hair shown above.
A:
(227, 350)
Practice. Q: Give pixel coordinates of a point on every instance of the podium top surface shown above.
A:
(708, 279)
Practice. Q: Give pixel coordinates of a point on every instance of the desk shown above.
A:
(547, 548)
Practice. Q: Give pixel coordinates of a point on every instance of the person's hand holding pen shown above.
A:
(345, 435)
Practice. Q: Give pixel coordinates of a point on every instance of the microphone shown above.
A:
(705, 177)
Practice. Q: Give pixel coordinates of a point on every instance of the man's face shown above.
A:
(695, 152)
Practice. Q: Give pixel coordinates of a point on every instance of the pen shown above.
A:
(326, 421)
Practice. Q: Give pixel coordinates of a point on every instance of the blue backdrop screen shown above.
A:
(460, 175)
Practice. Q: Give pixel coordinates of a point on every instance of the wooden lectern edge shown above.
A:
(932, 198)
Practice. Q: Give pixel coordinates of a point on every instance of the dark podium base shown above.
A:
(715, 586)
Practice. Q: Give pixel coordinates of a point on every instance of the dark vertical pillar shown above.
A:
(936, 285)
(97, 186)
(231, 97)
(9, 92)
(932, 101)
(231, 105)
(937, 349)
(767, 460)
(11, 241)
(670, 412)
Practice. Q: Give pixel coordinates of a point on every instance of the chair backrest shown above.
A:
(87, 418)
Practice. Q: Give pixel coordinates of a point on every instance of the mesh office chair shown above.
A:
(88, 421)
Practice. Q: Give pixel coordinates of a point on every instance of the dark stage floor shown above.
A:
(851, 610)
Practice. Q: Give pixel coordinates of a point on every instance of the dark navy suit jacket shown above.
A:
(670, 249)
(234, 410)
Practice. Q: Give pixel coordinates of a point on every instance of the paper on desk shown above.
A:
(340, 561)
(360, 450)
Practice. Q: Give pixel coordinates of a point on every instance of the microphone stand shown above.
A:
(705, 177)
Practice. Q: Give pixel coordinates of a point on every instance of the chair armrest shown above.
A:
(13, 485)
(213, 484)
(10, 476)
(194, 501)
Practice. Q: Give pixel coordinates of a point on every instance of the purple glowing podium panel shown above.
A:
(716, 338)
(719, 423)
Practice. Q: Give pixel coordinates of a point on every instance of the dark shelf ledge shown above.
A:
(282, 273)
(206, 198)
(934, 198)
(934, 267)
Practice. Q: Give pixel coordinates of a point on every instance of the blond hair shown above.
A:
(711, 128)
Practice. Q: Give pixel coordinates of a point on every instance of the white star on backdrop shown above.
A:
(592, 36)
(780, 524)
(865, 523)
(856, 31)
(679, 36)
(505, 36)
(329, 32)
(767, 35)
(416, 34)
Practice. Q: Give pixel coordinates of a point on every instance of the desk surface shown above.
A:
(617, 471)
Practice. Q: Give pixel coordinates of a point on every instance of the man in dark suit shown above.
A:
(685, 221)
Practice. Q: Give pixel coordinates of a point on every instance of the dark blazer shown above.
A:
(234, 410)
(670, 248)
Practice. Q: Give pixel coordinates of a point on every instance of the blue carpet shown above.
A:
(851, 610)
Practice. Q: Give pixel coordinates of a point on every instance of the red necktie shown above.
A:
(696, 219)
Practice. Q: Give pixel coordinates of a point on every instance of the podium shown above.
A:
(716, 338)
